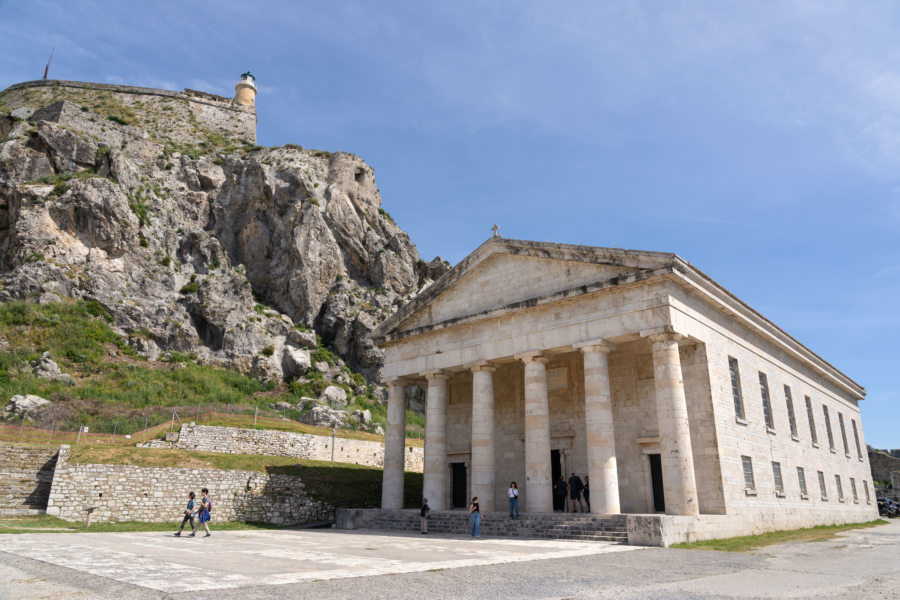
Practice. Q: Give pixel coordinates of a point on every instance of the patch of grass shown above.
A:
(140, 205)
(748, 543)
(117, 119)
(191, 287)
(47, 524)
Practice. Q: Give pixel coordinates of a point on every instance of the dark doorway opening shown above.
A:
(459, 485)
(656, 480)
(559, 501)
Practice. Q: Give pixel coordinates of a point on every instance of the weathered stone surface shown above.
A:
(295, 362)
(46, 368)
(176, 247)
(333, 395)
(26, 403)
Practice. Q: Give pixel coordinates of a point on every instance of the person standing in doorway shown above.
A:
(424, 515)
(586, 492)
(475, 517)
(575, 487)
(513, 493)
(559, 494)
(205, 510)
(189, 512)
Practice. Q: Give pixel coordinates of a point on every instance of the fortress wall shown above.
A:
(153, 494)
(168, 116)
(25, 477)
(234, 440)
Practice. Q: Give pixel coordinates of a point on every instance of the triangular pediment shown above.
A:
(508, 273)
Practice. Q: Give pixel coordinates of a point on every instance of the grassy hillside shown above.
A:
(117, 390)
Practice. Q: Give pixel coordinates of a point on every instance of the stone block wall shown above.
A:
(235, 440)
(25, 477)
(166, 115)
(150, 494)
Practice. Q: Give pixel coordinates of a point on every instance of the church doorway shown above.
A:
(459, 485)
(555, 465)
(656, 481)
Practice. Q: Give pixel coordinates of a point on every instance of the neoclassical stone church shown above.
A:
(688, 410)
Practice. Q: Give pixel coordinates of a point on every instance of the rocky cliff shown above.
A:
(208, 245)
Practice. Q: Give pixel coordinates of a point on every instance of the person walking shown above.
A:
(205, 510)
(424, 515)
(513, 493)
(189, 512)
(475, 517)
(575, 487)
(586, 492)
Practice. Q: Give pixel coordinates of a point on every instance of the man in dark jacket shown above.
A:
(559, 494)
(575, 487)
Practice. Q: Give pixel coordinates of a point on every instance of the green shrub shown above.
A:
(268, 351)
(117, 119)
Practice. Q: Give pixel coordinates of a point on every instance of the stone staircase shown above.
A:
(26, 475)
(568, 526)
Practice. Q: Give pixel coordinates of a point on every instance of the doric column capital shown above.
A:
(533, 356)
(396, 383)
(436, 375)
(482, 366)
(596, 345)
(666, 336)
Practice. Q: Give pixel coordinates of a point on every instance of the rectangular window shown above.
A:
(822, 485)
(853, 490)
(790, 409)
(828, 427)
(801, 477)
(812, 422)
(856, 437)
(840, 488)
(843, 434)
(776, 473)
(748, 473)
(866, 490)
(767, 406)
(736, 387)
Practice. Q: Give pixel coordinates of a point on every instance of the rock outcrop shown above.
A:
(227, 250)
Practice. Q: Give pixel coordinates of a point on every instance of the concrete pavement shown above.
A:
(860, 564)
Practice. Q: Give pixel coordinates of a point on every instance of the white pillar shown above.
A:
(394, 447)
(600, 434)
(434, 479)
(679, 485)
(538, 495)
(483, 470)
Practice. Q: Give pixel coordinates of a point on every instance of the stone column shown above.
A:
(679, 485)
(601, 441)
(483, 470)
(538, 487)
(394, 447)
(434, 477)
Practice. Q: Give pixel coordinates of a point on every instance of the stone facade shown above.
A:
(617, 364)
(160, 111)
(25, 478)
(131, 493)
(234, 440)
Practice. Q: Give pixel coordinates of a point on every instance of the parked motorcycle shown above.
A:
(888, 508)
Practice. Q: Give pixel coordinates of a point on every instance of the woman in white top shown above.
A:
(513, 494)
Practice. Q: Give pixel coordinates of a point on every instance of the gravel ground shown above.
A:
(858, 564)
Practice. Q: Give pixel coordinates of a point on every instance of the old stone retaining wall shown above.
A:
(25, 478)
(132, 493)
(160, 112)
(234, 440)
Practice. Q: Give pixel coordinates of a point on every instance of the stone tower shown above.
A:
(245, 90)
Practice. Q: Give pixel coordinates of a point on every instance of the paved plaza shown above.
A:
(335, 564)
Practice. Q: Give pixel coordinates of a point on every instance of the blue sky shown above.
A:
(758, 140)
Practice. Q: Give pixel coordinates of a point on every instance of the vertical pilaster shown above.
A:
(483, 467)
(538, 495)
(600, 433)
(394, 447)
(679, 484)
(434, 480)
